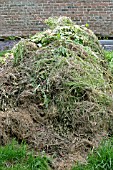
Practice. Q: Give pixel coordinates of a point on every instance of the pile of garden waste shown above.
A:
(56, 92)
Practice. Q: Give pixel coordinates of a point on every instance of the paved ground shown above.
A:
(108, 47)
(5, 45)
(107, 44)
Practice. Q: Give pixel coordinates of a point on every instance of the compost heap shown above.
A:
(56, 92)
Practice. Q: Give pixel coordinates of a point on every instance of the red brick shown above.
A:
(26, 17)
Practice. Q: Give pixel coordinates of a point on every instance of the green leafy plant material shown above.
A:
(17, 157)
(100, 158)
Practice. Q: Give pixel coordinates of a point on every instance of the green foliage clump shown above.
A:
(58, 21)
(109, 57)
(17, 157)
(64, 29)
(3, 56)
(19, 52)
(100, 158)
(2, 53)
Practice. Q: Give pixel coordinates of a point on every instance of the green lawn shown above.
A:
(17, 157)
(100, 158)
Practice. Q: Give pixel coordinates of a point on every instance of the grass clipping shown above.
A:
(61, 77)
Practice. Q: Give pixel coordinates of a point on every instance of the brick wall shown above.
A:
(24, 17)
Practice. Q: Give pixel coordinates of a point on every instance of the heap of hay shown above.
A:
(61, 80)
